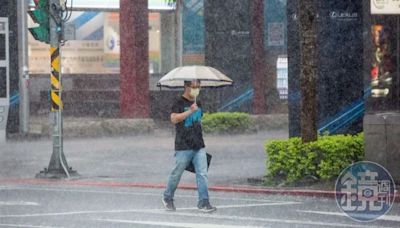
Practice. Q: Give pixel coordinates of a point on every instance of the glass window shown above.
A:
(3, 82)
(154, 43)
(94, 45)
(282, 76)
(2, 46)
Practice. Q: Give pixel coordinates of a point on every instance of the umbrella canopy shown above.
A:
(209, 77)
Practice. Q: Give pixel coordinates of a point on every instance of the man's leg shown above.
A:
(182, 160)
(200, 165)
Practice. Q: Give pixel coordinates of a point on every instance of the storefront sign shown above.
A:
(112, 5)
(385, 6)
(78, 57)
(381, 69)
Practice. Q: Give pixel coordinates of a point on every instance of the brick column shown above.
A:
(258, 56)
(134, 76)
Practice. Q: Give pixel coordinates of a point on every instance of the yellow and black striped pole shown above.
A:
(58, 166)
(56, 103)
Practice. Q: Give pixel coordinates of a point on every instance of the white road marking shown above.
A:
(211, 216)
(286, 221)
(73, 213)
(17, 203)
(28, 226)
(174, 224)
(244, 205)
(135, 210)
(260, 204)
(134, 193)
(395, 218)
(238, 206)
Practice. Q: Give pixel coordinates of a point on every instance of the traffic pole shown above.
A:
(23, 67)
(58, 166)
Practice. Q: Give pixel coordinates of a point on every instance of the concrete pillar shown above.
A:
(179, 36)
(168, 37)
(134, 76)
(382, 133)
(272, 93)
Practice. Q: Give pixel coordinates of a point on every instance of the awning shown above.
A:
(110, 5)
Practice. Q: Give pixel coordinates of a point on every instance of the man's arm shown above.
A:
(179, 117)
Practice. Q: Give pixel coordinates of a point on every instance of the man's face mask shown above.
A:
(194, 92)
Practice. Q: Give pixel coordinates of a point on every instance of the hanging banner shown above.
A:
(385, 7)
(275, 25)
(276, 34)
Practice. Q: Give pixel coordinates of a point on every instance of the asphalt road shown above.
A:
(45, 206)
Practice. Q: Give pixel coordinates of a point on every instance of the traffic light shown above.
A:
(40, 15)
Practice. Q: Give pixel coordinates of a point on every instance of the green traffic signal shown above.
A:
(40, 15)
(41, 34)
(43, 3)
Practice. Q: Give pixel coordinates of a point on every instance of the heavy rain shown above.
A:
(199, 113)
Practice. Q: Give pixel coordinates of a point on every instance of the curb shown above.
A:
(93, 127)
(41, 127)
(238, 189)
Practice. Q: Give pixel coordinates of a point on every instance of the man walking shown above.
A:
(189, 146)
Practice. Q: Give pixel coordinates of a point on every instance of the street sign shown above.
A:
(69, 31)
(385, 6)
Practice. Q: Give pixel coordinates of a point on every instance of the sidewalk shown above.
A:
(140, 158)
(94, 127)
(91, 127)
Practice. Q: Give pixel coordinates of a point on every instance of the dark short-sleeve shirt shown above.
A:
(189, 134)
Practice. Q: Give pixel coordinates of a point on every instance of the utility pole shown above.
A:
(23, 67)
(50, 31)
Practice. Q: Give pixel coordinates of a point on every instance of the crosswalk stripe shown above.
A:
(17, 203)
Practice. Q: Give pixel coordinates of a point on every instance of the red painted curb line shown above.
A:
(292, 192)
